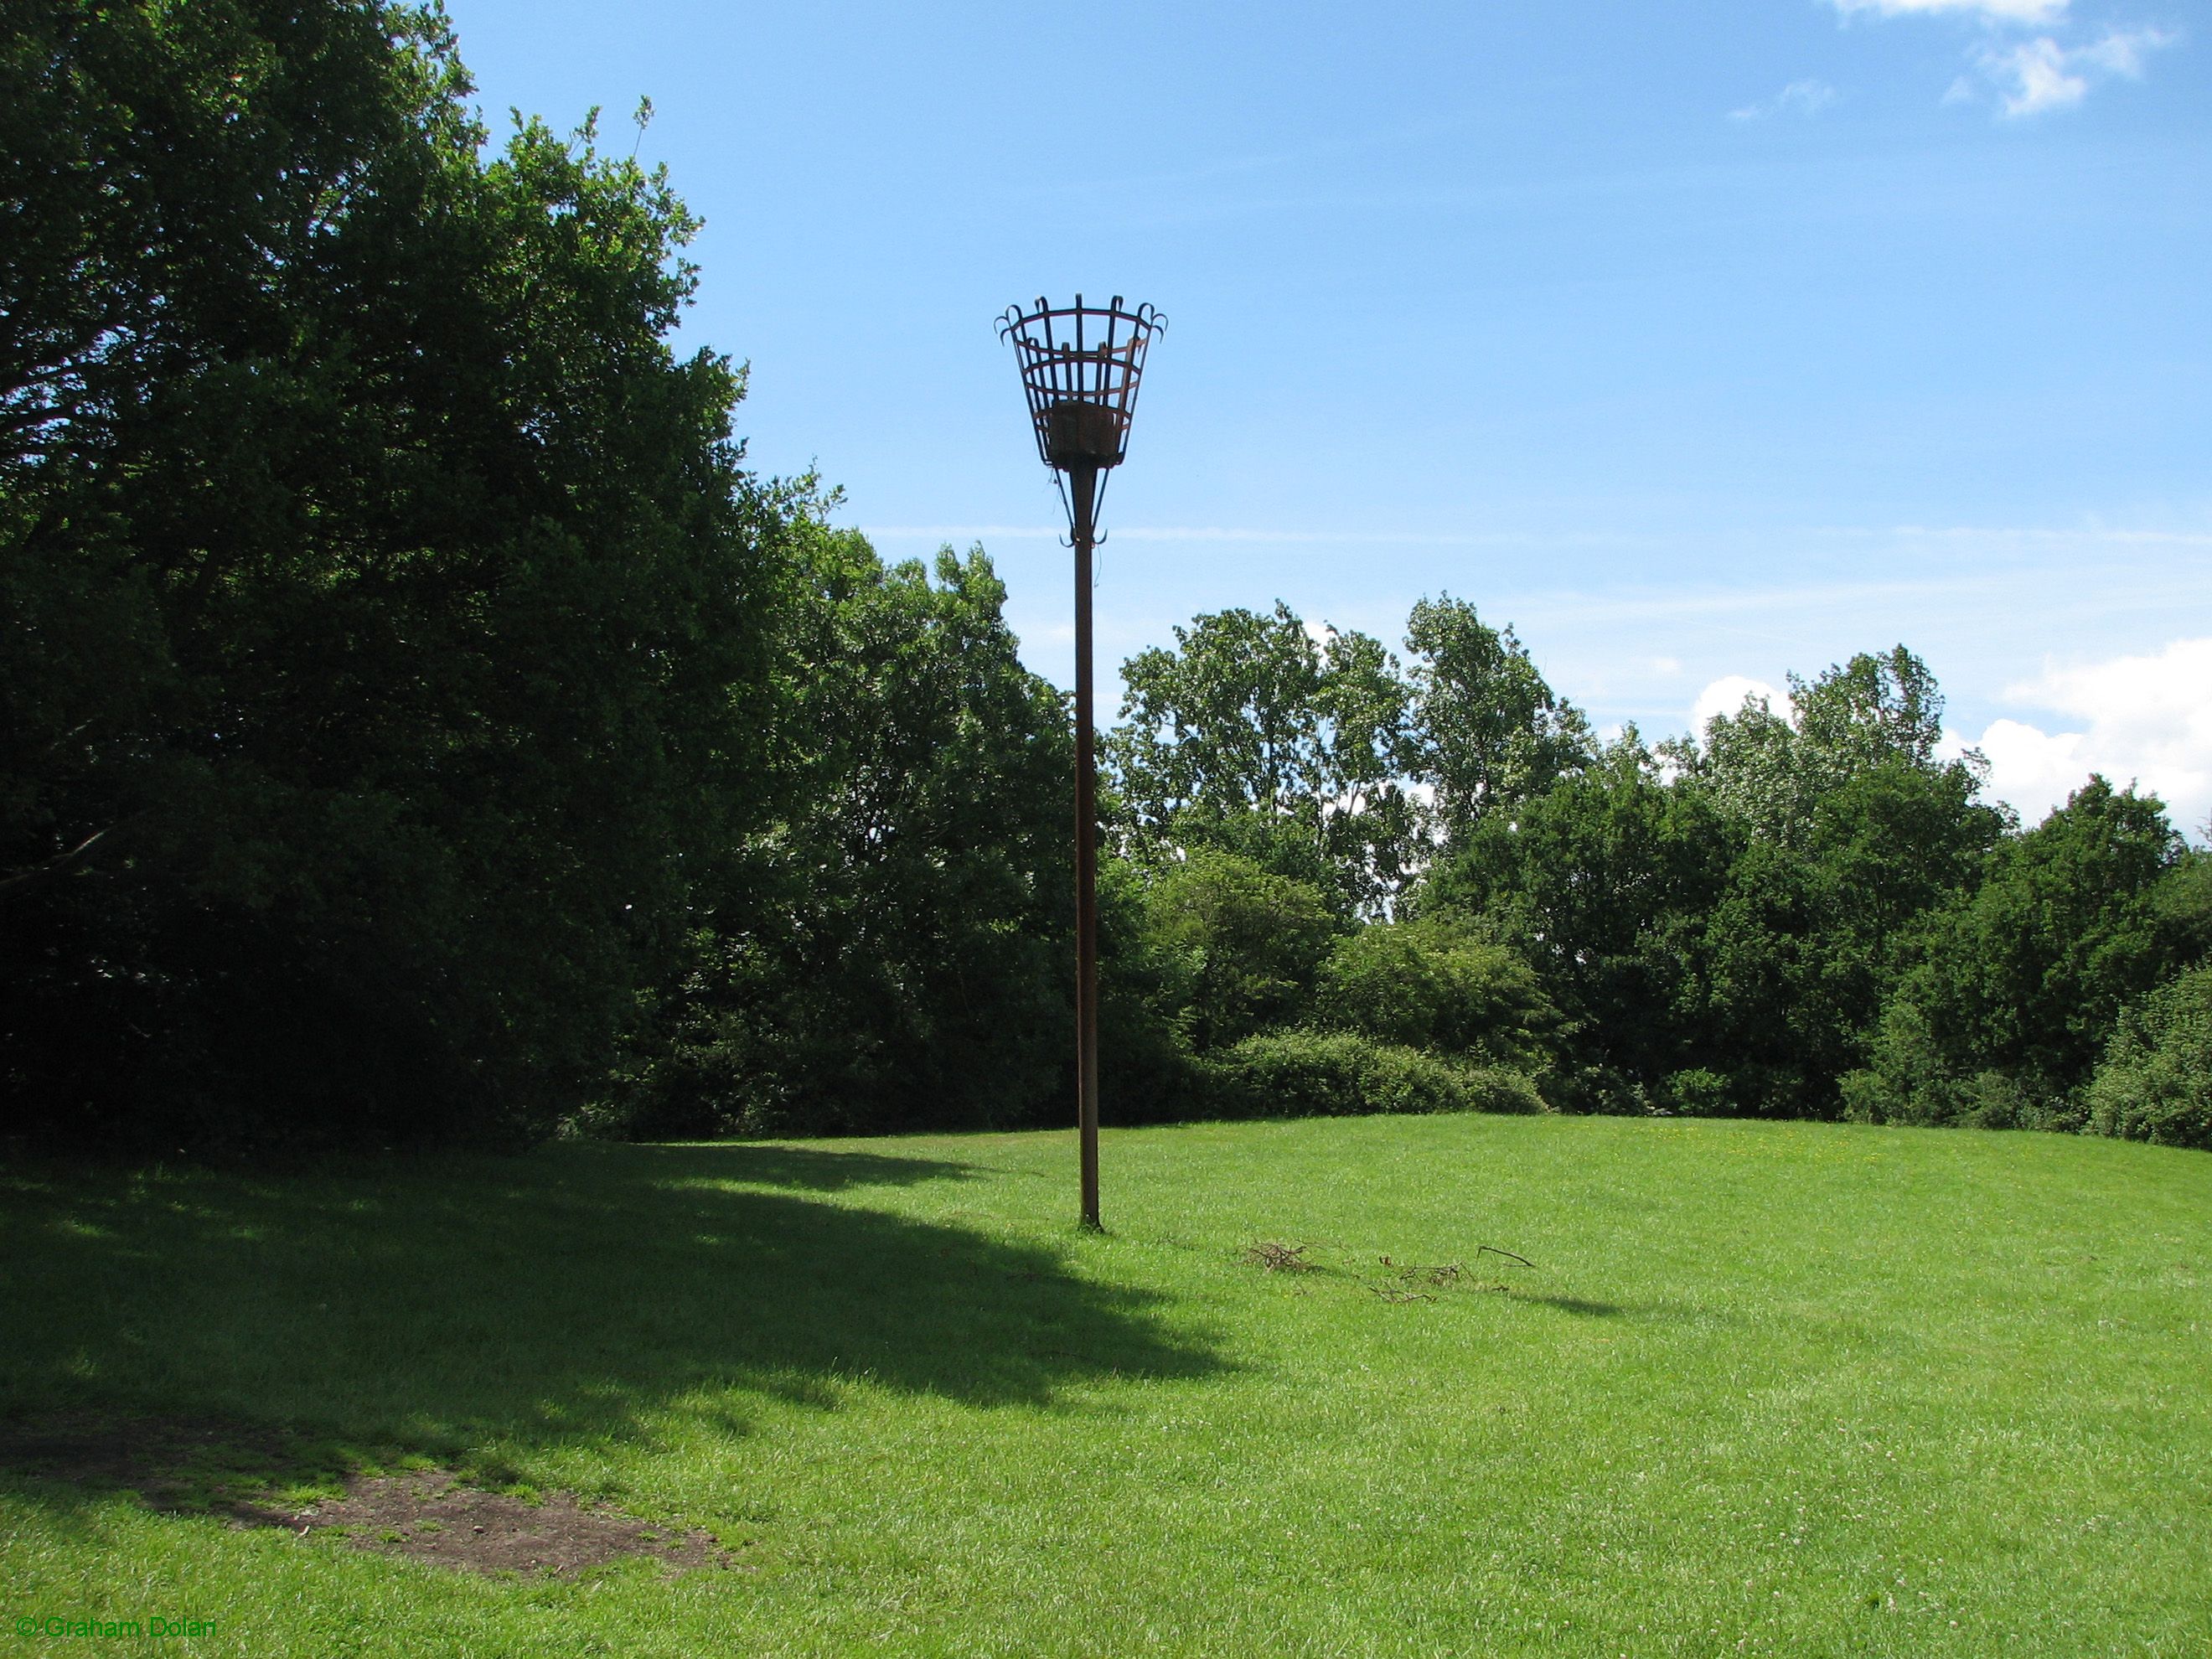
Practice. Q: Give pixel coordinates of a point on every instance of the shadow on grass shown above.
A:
(1573, 1304)
(808, 1169)
(585, 1293)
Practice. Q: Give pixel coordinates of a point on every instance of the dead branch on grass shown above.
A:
(1281, 1258)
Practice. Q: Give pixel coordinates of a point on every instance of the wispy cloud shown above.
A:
(1138, 532)
(1806, 98)
(2034, 75)
(2032, 13)
(2049, 71)
(1998, 536)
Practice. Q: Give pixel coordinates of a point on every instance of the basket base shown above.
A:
(1082, 434)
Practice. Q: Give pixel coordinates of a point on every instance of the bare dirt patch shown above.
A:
(428, 1516)
(216, 1465)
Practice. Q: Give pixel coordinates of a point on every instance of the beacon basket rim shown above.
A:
(1080, 367)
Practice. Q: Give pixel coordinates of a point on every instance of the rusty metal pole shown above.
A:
(1080, 368)
(1083, 488)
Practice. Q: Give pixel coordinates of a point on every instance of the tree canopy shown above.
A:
(421, 726)
(390, 617)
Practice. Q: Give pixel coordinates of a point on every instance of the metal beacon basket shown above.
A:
(1080, 365)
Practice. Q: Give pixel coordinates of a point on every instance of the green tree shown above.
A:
(1253, 736)
(1806, 941)
(1603, 882)
(2014, 988)
(1870, 714)
(1487, 731)
(389, 615)
(1850, 827)
(893, 949)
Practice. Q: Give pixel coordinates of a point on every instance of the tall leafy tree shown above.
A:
(2015, 986)
(1487, 731)
(1604, 882)
(389, 614)
(1808, 939)
(1255, 735)
(1851, 826)
(1773, 769)
(891, 949)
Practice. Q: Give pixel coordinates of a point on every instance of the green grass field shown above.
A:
(1782, 1388)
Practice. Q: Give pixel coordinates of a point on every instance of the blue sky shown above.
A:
(1702, 342)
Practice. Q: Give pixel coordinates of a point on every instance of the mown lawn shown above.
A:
(1767, 1388)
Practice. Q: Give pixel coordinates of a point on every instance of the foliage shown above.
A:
(1801, 949)
(1303, 1074)
(1874, 713)
(1489, 732)
(1850, 827)
(389, 615)
(1315, 754)
(2181, 906)
(1437, 988)
(2015, 986)
(1603, 883)
(1240, 945)
(1253, 736)
(419, 726)
(1722, 923)
(2156, 1083)
(894, 949)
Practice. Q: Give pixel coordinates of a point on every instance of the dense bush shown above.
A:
(1239, 946)
(2156, 1083)
(1302, 1073)
(1432, 985)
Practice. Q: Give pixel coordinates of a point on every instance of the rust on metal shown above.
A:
(1081, 366)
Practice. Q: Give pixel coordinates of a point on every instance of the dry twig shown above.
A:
(1281, 1258)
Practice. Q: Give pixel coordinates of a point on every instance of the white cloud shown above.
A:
(2121, 51)
(2029, 76)
(2033, 13)
(1806, 98)
(2035, 76)
(1729, 694)
(2039, 74)
(2145, 721)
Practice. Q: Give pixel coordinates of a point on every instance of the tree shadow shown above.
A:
(585, 1293)
(810, 1169)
